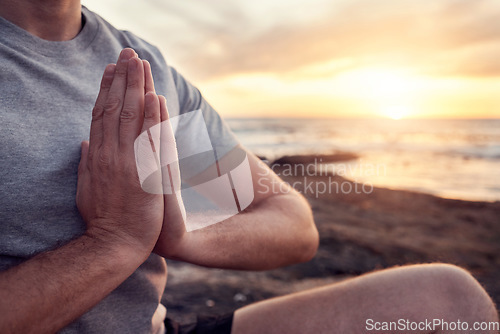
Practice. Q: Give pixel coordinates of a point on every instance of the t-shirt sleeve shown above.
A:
(190, 99)
(220, 136)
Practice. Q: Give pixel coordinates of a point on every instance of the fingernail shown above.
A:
(110, 68)
(125, 55)
(132, 64)
(122, 54)
(149, 98)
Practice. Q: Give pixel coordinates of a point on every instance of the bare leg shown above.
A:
(413, 293)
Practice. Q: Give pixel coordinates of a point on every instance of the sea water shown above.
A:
(449, 158)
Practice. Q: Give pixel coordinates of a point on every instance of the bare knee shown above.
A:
(458, 293)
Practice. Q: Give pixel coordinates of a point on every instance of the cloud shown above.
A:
(449, 38)
(217, 38)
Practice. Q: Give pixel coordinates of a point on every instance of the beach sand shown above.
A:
(359, 233)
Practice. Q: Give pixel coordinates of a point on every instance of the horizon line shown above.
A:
(369, 118)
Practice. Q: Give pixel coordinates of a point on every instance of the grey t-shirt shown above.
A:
(47, 93)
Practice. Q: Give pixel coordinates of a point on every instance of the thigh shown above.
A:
(414, 293)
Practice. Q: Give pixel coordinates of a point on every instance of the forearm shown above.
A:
(275, 232)
(49, 291)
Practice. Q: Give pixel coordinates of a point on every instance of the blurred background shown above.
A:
(412, 86)
(271, 62)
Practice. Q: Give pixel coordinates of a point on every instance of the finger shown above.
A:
(98, 111)
(148, 77)
(168, 152)
(132, 114)
(146, 147)
(151, 111)
(83, 157)
(163, 108)
(114, 101)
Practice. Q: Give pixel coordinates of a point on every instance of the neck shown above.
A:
(53, 20)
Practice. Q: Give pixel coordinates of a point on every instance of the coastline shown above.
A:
(359, 232)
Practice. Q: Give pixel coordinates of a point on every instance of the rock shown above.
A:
(315, 158)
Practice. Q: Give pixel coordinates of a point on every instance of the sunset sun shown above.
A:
(386, 92)
(396, 111)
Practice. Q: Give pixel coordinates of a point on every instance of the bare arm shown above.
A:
(49, 291)
(52, 289)
(276, 230)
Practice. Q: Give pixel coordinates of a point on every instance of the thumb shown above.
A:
(84, 156)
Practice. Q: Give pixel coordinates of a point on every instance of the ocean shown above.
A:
(457, 159)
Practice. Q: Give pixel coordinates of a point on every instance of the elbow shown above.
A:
(307, 237)
(309, 243)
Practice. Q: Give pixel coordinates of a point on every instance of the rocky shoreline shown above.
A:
(359, 232)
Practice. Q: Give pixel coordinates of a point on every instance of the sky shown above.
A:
(319, 58)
